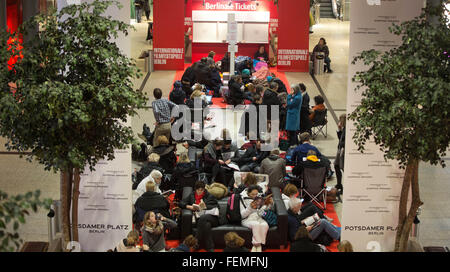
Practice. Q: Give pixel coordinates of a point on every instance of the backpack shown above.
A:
(270, 217)
(234, 209)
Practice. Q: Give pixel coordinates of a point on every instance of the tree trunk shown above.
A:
(66, 192)
(403, 205)
(75, 196)
(405, 221)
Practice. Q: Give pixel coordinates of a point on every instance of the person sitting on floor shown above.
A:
(261, 54)
(190, 243)
(251, 209)
(166, 152)
(246, 77)
(129, 244)
(177, 95)
(152, 164)
(205, 219)
(185, 174)
(213, 162)
(252, 158)
(250, 91)
(234, 243)
(275, 168)
(152, 201)
(155, 177)
(236, 90)
(318, 107)
(215, 81)
(153, 232)
(303, 242)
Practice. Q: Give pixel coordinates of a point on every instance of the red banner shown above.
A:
(168, 34)
(293, 36)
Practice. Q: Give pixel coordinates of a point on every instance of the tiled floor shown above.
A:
(19, 176)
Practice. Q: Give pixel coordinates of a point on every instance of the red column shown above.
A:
(293, 35)
(168, 34)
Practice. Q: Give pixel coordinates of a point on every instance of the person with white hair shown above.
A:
(294, 104)
(155, 177)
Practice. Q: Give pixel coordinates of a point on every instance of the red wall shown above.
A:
(201, 50)
(168, 34)
(293, 36)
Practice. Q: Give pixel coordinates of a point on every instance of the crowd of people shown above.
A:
(208, 166)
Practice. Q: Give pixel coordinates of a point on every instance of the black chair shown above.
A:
(319, 122)
(276, 236)
(313, 185)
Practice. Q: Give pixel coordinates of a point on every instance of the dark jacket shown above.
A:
(323, 49)
(202, 73)
(225, 66)
(341, 137)
(302, 150)
(304, 245)
(270, 98)
(259, 55)
(305, 122)
(152, 201)
(253, 152)
(245, 121)
(184, 175)
(209, 199)
(189, 76)
(236, 94)
(177, 95)
(281, 86)
(211, 157)
(239, 249)
(246, 79)
(145, 171)
(167, 155)
(215, 81)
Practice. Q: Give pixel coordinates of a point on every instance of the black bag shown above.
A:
(324, 239)
(143, 152)
(234, 209)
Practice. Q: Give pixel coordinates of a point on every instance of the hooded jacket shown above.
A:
(275, 167)
(177, 95)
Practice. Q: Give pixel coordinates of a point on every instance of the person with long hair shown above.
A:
(234, 243)
(153, 232)
(129, 244)
(304, 243)
(323, 48)
(294, 103)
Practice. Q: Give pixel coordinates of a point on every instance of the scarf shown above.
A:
(198, 198)
(312, 158)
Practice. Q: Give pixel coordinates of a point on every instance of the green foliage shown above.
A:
(406, 93)
(13, 210)
(74, 89)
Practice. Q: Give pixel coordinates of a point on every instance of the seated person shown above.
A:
(246, 64)
(152, 164)
(297, 213)
(318, 107)
(185, 174)
(261, 54)
(323, 48)
(213, 162)
(246, 76)
(153, 232)
(252, 158)
(245, 118)
(202, 89)
(250, 179)
(234, 243)
(281, 86)
(215, 81)
(198, 143)
(188, 80)
(275, 168)
(236, 90)
(205, 219)
(310, 161)
(166, 153)
(152, 201)
(303, 242)
(294, 222)
(129, 244)
(301, 152)
(250, 91)
(251, 209)
(189, 244)
(177, 95)
(155, 177)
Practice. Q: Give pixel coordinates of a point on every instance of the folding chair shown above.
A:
(314, 185)
(319, 122)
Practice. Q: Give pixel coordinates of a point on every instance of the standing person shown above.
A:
(206, 220)
(294, 103)
(261, 54)
(245, 118)
(138, 6)
(251, 211)
(323, 48)
(305, 122)
(153, 232)
(339, 160)
(225, 63)
(163, 110)
(275, 168)
(270, 99)
(146, 7)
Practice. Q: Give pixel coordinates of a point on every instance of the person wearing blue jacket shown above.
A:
(294, 103)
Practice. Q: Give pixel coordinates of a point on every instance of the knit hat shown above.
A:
(269, 78)
(246, 72)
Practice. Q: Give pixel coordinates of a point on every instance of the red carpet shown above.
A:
(218, 101)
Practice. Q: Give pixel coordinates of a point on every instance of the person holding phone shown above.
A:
(250, 208)
(153, 232)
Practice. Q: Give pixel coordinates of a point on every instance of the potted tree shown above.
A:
(405, 104)
(71, 95)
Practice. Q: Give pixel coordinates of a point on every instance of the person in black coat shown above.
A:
(234, 243)
(270, 98)
(166, 152)
(322, 47)
(245, 119)
(261, 54)
(215, 81)
(152, 164)
(225, 63)
(177, 95)
(213, 162)
(281, 86)
(152, 201)
(185, 174)
(202, 72)
(204, 222)
(305, 122)
(339, 160)
(188, 80)
(303, 242)
(236, 90)
(252, 158)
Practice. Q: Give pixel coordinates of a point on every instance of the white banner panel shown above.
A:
(372, 186)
